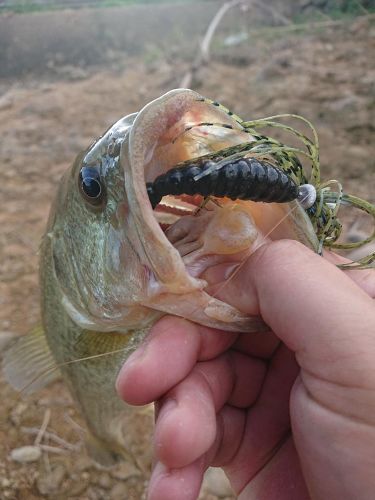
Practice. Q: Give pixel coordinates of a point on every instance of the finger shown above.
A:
(172, 349)
(184, 483)
(248, 376)
(170, 484)
(268, 421)
(365, 278)
(186, 425)
(280, 479)
(311, 305)
(231, 424)
(261, 345)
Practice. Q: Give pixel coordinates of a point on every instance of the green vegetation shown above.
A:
(27, 6)
(330, 9)
(337, 10)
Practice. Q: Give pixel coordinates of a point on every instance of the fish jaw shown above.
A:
(122, 266)
(157, 125)
(157, 142)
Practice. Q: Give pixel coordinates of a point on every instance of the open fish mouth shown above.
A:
(199, 233)
(180, 238)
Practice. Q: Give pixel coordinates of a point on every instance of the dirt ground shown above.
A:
(327, 75)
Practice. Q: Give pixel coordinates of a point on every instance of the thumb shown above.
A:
(312, 306)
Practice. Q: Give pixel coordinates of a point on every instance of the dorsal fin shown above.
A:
(28, 365)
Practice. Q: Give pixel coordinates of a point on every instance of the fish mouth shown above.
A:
(158, 141)
(180, 239)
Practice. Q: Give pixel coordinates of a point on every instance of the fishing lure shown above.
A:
(267, 170)
(243, 179)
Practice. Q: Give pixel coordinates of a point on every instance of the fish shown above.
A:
(111, 264)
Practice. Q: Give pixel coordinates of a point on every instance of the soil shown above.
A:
(326, 75)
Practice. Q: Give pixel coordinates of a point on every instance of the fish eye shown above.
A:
(91, 186)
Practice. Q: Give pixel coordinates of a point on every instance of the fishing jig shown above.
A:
(264, 169)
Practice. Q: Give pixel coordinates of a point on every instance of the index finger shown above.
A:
(365, 278)
(313, 307)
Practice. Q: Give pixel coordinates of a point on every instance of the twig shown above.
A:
(80, 430)
(47, 463)
(361, 7)
(206, 42)
(53, 449)
(203, 55)
(42, 430)
(276, 14)
(53, 437)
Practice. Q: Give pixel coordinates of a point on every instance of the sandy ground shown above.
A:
(327, 76)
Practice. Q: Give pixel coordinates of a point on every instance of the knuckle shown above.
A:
(281, 254)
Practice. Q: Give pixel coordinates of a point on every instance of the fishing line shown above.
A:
(72, 361)
(241, 264)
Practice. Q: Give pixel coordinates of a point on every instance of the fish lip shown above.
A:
(156, 251)
(161, 256)
(172, 288)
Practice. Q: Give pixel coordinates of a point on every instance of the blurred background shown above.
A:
(69, 70)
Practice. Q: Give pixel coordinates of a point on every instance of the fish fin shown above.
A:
(104, 454)
(28, 364)
(99, 452)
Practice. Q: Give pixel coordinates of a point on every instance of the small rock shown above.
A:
(26, 454)
(119, 492)
(51, 481)
(6, 102)
(5, 483)
(16, 415)
(76, 489)
(217, 483)
(104, 481)
(83, 463)
(124, 471)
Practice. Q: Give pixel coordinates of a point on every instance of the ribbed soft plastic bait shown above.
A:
(243, 179)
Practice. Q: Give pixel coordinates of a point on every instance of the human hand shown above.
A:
(289, 414)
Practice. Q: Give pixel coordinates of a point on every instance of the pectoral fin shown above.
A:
(28, 365)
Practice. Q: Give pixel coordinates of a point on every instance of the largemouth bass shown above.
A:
(111, 265)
